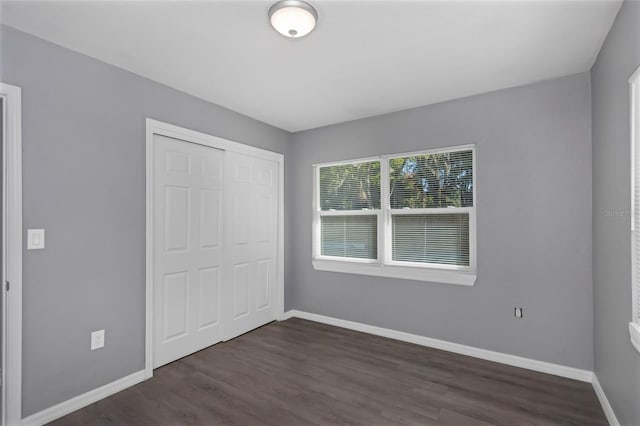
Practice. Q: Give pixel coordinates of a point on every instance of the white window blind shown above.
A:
(350, 236)
(431, 238)
(398, 215)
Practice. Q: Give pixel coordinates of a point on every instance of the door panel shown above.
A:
(263, 286)
(187, 248)
(176, 210)
(209, 218)
(240, 290)
(175, 299)
(209, 289)
(251, 189)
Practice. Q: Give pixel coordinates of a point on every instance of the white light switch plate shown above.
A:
(97, 340)
(35, 239)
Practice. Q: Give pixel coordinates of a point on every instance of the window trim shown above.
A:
(384, 266)
(634, 121)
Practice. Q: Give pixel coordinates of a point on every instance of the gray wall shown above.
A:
(616, 363)
(534, 223)
(84, 182)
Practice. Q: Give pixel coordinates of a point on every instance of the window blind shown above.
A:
(350, 236)
(431, 238)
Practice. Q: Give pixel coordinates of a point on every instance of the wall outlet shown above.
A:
(97, 340)
(518, 312)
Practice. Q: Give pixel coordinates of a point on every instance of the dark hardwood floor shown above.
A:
(299, 372)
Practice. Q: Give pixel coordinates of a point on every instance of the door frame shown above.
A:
(154, 127)
(12, 255)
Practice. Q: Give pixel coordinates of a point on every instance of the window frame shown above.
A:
(634, 120)
(384, 265)
(318, 213)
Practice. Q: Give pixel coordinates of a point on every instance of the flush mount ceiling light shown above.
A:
(293, 18)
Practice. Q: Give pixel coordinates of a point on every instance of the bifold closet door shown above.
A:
(250, 248)
(188, 252)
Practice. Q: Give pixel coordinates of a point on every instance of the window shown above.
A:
(350, 210)
(403, 216)
(634, 325)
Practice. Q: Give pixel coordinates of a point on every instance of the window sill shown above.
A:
(394, 271)
(634, 332)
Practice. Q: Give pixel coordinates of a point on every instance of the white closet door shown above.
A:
(251, 207)
(187, 248)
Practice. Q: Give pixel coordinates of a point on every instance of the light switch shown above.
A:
(35, 239)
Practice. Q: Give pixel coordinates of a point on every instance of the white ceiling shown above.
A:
(364, 58)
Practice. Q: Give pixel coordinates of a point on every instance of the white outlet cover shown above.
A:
(97, 340)
(35, 239)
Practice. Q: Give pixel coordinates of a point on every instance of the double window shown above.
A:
(404, 216)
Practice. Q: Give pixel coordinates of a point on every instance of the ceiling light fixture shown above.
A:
(293, 18)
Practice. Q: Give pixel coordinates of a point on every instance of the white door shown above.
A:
(187, 248)
(251, 209)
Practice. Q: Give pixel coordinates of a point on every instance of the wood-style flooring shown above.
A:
(299, 372)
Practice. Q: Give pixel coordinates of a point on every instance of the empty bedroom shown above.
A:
(320, 212)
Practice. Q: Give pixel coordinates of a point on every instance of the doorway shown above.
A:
(11, 255)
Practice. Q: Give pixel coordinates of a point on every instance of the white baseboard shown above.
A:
(513, 360)
(288, 314)
(80, 401)
(606, 407)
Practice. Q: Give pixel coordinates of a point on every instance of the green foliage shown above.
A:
(432, 180)
(420, 181)
(350, 186)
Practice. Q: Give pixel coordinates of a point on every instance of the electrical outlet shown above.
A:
(518, 312)
(97, 340)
